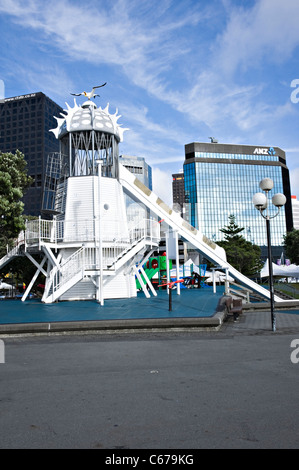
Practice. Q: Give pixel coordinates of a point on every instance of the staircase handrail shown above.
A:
(86, 258)
(69, 268)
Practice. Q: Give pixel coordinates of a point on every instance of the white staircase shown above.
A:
(15, 251)
(65, 276)
(9, 256)
(86, 260)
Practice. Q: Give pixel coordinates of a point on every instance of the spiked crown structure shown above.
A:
(88, 117)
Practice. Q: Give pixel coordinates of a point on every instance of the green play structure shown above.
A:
(153, 266)
(193, 275)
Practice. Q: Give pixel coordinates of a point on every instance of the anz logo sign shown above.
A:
(264, 151)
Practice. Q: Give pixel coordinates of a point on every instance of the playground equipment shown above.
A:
(197, 276)
(90, 249)
(193, 281)
(170, 287)
(156, 270)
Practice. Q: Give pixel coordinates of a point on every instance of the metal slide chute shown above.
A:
(200, 242)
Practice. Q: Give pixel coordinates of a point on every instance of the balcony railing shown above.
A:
(82, 231)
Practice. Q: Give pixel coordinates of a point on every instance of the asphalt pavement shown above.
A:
(235, 388)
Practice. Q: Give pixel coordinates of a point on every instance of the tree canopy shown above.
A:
(231, 231)
(240, 253)
(291, 243)
(13, 183)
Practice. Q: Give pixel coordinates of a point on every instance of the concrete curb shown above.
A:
(260, 306)
(114, 325)
(179, 323)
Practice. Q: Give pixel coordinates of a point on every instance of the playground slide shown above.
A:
(211, 250)
(150, 274)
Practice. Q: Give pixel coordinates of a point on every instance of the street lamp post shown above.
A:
(260, 201)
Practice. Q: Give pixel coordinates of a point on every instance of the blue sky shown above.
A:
(178, 71)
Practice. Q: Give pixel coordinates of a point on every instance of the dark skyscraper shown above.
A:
(25, 122)
(178, 191)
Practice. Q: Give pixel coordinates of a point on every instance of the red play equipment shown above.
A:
(170, 285)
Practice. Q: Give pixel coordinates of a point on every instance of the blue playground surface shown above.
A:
(191, 303)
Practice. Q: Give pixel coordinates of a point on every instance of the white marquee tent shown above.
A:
(189, 267)
(283, 271)
(186, 269)
(5, 286)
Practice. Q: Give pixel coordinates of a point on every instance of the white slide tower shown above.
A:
(90, 248)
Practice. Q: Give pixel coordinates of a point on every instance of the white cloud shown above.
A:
(143, 41)
(202, 79)
(266, 32)
(139, 115)
(162, 185)
(48, 76)
(294, 177)
(129, 34)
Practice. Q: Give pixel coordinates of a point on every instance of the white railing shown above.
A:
(68, 269)
(10, 254)
(146, 229)
(88, 258)
(39, 230)
(14, 251)
(57, 231)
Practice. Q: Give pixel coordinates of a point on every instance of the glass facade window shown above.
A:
(215, 188)
(266, 158)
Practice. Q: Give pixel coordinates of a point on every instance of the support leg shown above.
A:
(148, 282)
(143, 286)
(33, 280)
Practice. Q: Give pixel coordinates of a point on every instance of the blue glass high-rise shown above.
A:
(220, 180)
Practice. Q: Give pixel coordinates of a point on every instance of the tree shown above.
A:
(240, 253)
(13, 183)
(291, 244)
(232, 230)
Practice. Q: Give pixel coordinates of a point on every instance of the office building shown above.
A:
(295, 208)
(143, 172)
(178, 192)
(25, 122)
(139, 167)
(221, 179)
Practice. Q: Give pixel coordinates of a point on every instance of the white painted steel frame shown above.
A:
(211, 251)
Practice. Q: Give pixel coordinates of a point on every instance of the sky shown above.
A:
(177, 71)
